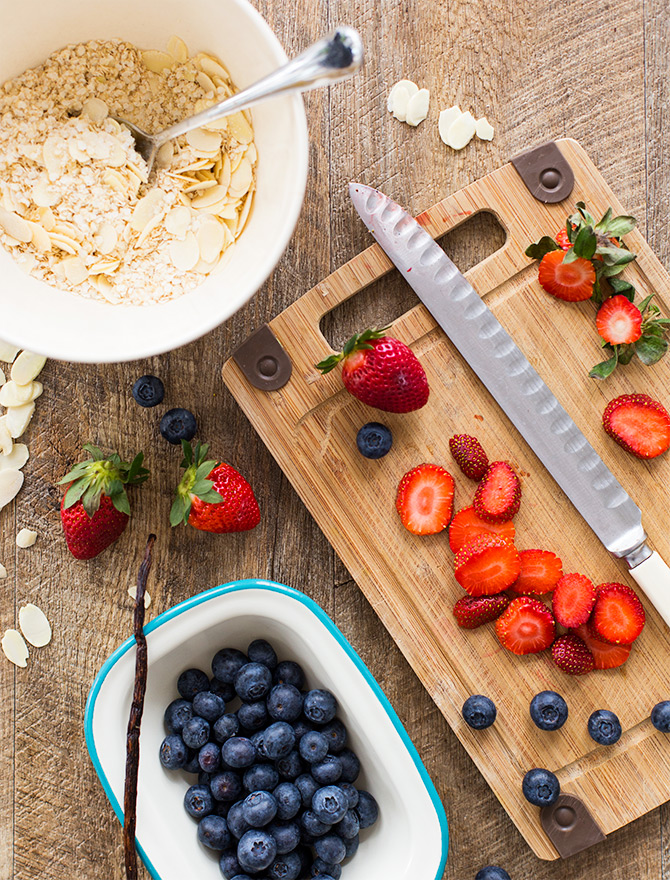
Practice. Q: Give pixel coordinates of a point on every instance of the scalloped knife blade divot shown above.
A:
(518, 389)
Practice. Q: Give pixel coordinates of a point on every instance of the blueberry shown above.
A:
(253, 682)
(374, 440)
(351, 766)
(222, 808)
(330, 848)
(225, 727)
(351, 846)
(660, 716)
(351, 792)
(195, 732)
(327, 869)
(261, 777)
(288, 800)
(604, 727)
(192, 765)
(289, 672)
(278, 740)
(229, 865)
(285, 703)
(305, 855)
(213, 832)
(260, 651)
(285, 867)
(148, 391)
(208, 705)
(238, 751)
(209, 757)
(198, 801)
(367, 809)
(204, 778)
(540, 787)
(311, 823)
(191, 682)
(237, 824)
(286, 835)
(290, 766)
(320, 706)
(173, 752)
(258, 739)
(243, 877)
(300, 728)
(253, 716)
(493, 872)
(222, 689)
(256, 850)
(330, 804)
(226, 786)
(307, 786)
(349, 826)
(177, 425)
(336, 735)
(259, 808)
(327, 771)
(479, 712)
(313, 747)
(177, 714)
(226, 663)
(548, 710)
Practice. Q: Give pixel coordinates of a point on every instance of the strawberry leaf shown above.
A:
(79, 470)
(606, 368)
(181, 507)
(204, 470)
(96, 452)
(120, 502)
(570, 256)
(601, 226)
(624, 288)
(621, 225)
(541, 248)
(650, 349)
(73, 494)
(325, 366)
(615, 256)
(211, 497)
(586, 243)
(91, 499)
(626, 353)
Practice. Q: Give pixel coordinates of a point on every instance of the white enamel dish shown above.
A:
(410, 839)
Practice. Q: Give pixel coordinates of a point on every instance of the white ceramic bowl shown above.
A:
(410, 839)
(66, 326)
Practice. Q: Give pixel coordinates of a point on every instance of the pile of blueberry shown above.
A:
(177, 424)
(275, 792)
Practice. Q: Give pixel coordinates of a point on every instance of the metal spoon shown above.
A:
(331, 59)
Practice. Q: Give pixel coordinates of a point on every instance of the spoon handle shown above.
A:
(331, 59)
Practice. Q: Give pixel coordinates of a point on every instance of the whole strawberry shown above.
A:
(212, 496)
(95, 510)
(381, 371)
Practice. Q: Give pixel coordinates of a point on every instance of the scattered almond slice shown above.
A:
(204, 141)
(27, 367)
(447, 118)
(3, 572)
(156, 61)
(178, 49)
(6, 442)
(3, 378)
(16, 458)
(34, 625)
(210, 238)
(400, 103)
(461, 131)
(239, 128)
(12, 394)
(15, 648)
(18, 418)
(406, 84)
(26, 538)
(483, 129)
(417, 108)
(132, 592)
(10, 484)
(8, 352)
(185, 254)
(95, 109)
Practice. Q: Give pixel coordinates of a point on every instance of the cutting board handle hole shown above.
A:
(385, 300)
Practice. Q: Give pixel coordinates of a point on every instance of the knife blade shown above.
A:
(518, 389)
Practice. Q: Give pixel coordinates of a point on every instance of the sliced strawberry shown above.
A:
(526, 626)
(425, 499)
(498, 496)
(486, 565)
(562, 239)
(619, 321)
(605, 655)
(618, 615)
(473, 611)
(573, 599)
(540, 571)
(572, 282)
(571, 654)
(466, 525)
(469, 455)
(639, 424)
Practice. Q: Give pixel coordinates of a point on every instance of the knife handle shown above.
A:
(653, 575)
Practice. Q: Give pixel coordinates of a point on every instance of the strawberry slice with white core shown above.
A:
(425, 499)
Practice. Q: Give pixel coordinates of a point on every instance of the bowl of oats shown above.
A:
(100, 262)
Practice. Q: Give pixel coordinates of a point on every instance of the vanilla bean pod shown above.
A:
(136, 709)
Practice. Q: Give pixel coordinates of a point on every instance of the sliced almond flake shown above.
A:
(105, 239)
(64, 243)
(211, 238)
(203, 267)
(446, 119)
(200, 186)
(107, 289)
(53, 155)
(178, 220)
(27, 367)
(16, 458)
(6, 442)
(211, 67)
(77, 152)
(34, 625)
(146, 209)
(231, 223)
(185, 254)
(226, 171)
(75, 270)
(13, 394)
(193, 166)
(45, 196)
(417, 108)
(227, 212)
(483, 129)
(204, 141)
(104, 267)
(226, 257)
(209, 198)
(165, 155)
(115, 180)
(220, 124)
(26, 538)
(96, 110)
(8, 352)
(461, 131)
(28, 263)
(205, 82)
(178, 49)
(117, 156)
(149, 228)
(15, 226)
(41, 238)
(240, 129)
(10, 484)
(14, 648)
(139, 170)
(245, 212)
(132, 592)
(406, 84)
(3, 572)
(235, 159)
(156, 61)
(3, 378)
(240, 180)
(62, 227)
(18, 419)
(251, 154)
(400, 103)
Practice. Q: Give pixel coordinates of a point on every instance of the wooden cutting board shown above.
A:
(310, 427)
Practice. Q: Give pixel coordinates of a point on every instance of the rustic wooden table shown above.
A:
(591, 70)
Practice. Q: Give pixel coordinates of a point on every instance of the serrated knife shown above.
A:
(518, 389)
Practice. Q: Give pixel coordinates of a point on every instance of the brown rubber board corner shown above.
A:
(310, 427)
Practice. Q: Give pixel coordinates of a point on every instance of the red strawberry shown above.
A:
(562, 239)
(605, 655)
(526, 626)
(466, 525)
(94, 510)
(572, 282)
(213, 497)
(473, 611)
(486, 565)
(619, 321)
(571, 654)
(573, 599)
(618, 615)
(425, 499)
(540, 571)
(469, 455)
(381, 371)
(498, 496)
(639, 424)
